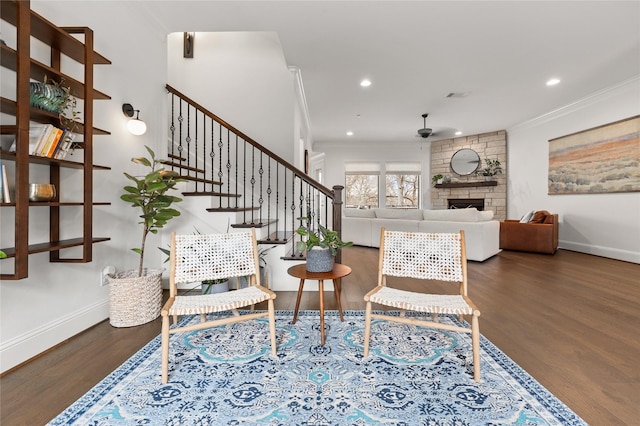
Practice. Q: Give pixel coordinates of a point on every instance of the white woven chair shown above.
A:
(424, 256)
(197, 257)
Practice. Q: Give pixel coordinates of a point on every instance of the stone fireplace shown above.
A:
(464, 191)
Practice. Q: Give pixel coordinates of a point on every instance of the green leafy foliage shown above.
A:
(149, 194)
(3, 255)
(492, 168)
(322, 237)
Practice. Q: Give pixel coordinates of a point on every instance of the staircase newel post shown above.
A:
(336, 222)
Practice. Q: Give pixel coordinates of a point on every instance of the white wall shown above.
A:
(59, 300)
(602, 224)
(243, 78)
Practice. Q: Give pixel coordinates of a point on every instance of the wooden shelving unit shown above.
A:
(62, 41)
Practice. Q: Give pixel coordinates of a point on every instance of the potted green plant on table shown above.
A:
(321, 245)
(492, 168)
(135, 296)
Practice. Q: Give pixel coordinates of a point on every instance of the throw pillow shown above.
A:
(539, 216)
(527, 217)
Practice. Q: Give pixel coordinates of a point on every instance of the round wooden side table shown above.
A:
(339, 271)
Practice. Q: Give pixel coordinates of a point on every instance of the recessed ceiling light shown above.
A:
(458, 133)
(349, 133)
(365, 83)
(553, 82)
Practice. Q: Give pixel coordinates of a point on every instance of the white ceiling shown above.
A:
(417, 52)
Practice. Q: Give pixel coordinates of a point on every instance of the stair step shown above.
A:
(280, 237)
(203, 180)
(293, 257)
(262, 224)
(210, 194)
(176, 157)
(181, 166)
(231, 209)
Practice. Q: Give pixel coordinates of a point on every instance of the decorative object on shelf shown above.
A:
(135, 125)
(321, 245)
(465, 162)
(3, 255)
(437, 179)
(492, 168)
(47, 96)
(39, 192)
(150, 195)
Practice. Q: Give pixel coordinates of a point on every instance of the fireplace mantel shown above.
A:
(466, 184)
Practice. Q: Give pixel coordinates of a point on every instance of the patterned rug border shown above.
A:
(543, 396)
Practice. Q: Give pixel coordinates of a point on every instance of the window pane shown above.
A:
(402, 191)
(361, 191)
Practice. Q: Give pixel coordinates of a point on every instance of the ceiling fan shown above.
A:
(425, 132)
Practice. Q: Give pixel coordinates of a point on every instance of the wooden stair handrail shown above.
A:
(326, 191)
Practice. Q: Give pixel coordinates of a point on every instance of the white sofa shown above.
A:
(482, 233)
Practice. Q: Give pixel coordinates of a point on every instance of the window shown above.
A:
(361, 185)
(402, 185)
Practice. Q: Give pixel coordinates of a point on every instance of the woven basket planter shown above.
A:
(134, 300)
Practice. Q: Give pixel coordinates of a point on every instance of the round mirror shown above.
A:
(465, 161)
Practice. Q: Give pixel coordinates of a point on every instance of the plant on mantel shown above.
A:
(492, 168)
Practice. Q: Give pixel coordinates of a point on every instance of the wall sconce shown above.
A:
(187, 47)
(135, 125)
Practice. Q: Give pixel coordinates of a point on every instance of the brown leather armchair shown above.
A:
(540, 235)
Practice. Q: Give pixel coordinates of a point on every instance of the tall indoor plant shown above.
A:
(135, 296)
(150, 195)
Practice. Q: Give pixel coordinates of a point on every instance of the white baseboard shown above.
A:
(26, 346)
(612, 253)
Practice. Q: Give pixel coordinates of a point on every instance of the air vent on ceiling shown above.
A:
(458, 94)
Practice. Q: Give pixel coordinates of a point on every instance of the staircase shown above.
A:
(243, 177)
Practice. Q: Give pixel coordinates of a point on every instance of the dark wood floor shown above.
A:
(571, 320)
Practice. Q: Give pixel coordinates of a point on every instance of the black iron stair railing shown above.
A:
(243, 176)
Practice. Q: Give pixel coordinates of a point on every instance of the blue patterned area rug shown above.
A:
(226, 376)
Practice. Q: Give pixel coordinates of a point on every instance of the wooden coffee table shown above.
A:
(300, 271)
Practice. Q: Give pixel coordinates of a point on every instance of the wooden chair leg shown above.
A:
(367, 329)
(272, 326)
(165, 348)
(475, 342)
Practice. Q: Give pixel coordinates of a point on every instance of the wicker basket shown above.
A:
(134, 300)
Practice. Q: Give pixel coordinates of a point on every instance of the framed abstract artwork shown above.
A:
(602, 159)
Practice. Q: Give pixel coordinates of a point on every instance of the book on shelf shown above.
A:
(64, 147)
(42, 139)
(52, 138)
(5, 185)
(54, 143)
